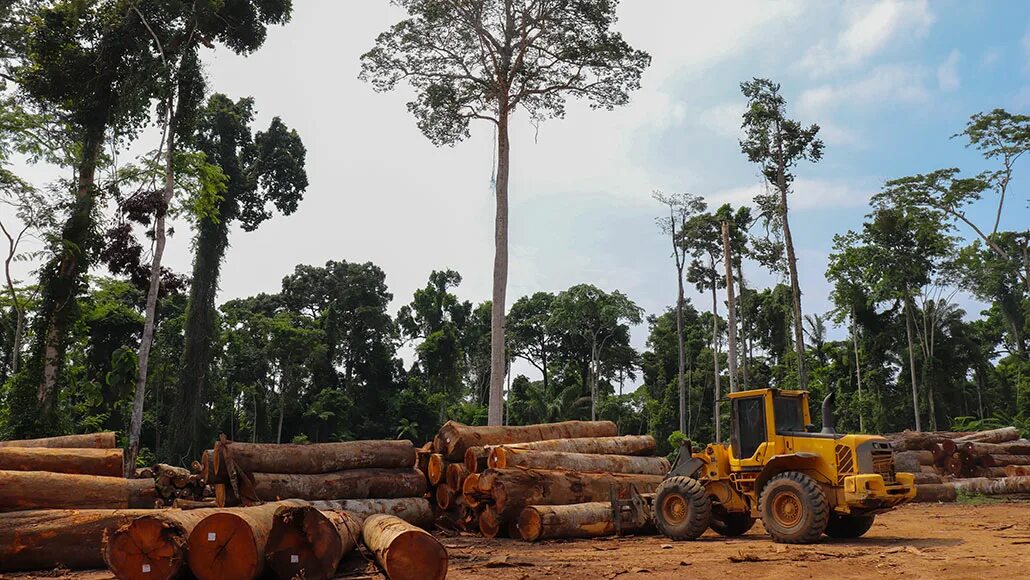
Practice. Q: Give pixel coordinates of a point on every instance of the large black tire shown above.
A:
(731, 524)
(682, 508)
(844, 527)
(794, 508)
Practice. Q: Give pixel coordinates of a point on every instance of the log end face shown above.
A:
(223, 547)
(146, 549)
(416, 555)
(530, 525)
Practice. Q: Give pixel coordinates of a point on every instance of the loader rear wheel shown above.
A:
(794, 508)
(841, 526)
(731, 524)
(683, 509)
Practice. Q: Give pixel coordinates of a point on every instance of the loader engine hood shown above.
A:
(870, 454)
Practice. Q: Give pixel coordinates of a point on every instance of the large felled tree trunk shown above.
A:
(314, 458)
(495, 411)
(308, 543)
(454, 438)
(502, 457)
(414, 510)
(350, 484)
(27, 490)
(102, 462)
(624, 445)
(230, 544)
(515, 489)
(104, 440)
(581, 520)
(46, 539)
(404, 551)
(152, 546)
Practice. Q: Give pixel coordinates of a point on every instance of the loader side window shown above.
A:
(748, 426)
(790, 418)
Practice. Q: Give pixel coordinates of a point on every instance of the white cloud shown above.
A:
(891, 84)
(947, 73)
(807, 194)
(991, 57)
(723, 119)
(870, 30)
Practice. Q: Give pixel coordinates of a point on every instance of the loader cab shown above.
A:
(761, 421)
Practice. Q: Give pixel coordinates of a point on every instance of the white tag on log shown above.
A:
(211, 536)
(146, 568)
(294, 559)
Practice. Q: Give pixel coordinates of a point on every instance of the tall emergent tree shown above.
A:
(682, 207)
(485, 59)
(778, 144)
(262, 171)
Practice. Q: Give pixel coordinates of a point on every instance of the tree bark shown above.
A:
(230, 544)
(582, 520)
(455, 438)
(103, 462)
(153, 546)
(992, 436)
(858, 370)
(731, 307)
(912, 364)
(52, 538)
(350, 484)
(1001, 460)
(313, 458)
(309, 543)
(514, 489)
(491, 525)
(792, 265)
(643, 445)
(414, 510)
(105, 440)
(976, 448)
(716, 417)
(404, 551)
(27, 490)
(503, 457)
(942, 492)
(498, 359)
(987, 486)
(681, 355)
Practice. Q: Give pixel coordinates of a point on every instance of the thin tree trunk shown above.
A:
(745, 380)
(715, 356)
(19, 311)
(497, 310)
(731, 308)
(858, 371)
(150, 318)
(792, 267)
(912, 365)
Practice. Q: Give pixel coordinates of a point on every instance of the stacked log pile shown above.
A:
(251, 473)
(993, 462)
(485, 478)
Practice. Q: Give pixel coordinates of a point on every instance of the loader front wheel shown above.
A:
(731, 524)
(682, 508)
(794, 508)
(845, 527)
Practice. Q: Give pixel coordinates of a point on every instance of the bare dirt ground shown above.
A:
(915, 541)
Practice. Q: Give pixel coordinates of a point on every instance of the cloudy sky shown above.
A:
(888, 81)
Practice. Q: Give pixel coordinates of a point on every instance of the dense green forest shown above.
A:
(103, 336)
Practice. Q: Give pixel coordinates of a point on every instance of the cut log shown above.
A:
(230, 544)
(943, 449)
(643, 445)
(581, 520)
(1019, 447)
(436, 470)
(308, 543)
(444, 496)
(48, 539)
(954, 465)
(1003, 460)
(456, 474)
(1016, 470)
(470, 491)
(455, 438)
(105, 440)
(986, 486)
(928, 469)
(404, 551)
(992, 472)
(414, 510)
(993, 436)
(941, 492)
(469, 518)
(225, 496)
(504, 457)
(475, 459)
(153, 546)
(104, 462)
(422, 461)
(314, 458)
(190, 504)
(490, 523)
(926, 478)
(350, 484)
(911, 461)
(514, 489)
(28, 490)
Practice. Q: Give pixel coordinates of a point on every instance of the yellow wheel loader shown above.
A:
(800, 483)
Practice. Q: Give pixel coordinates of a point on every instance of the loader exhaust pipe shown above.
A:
(828, 413)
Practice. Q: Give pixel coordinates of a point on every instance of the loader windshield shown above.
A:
(789, 415)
